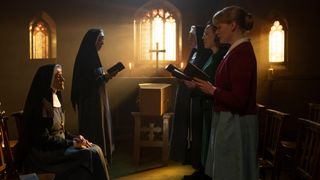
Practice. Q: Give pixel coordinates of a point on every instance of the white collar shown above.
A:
(55, 100)
(237, 43)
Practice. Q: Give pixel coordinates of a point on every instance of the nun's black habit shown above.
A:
(49, 146)
(186, 136)
(89, 96)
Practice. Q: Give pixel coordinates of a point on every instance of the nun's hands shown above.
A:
(109, 76)
(190, 84)
(81, 142)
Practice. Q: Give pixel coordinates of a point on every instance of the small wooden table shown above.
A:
(148, 125)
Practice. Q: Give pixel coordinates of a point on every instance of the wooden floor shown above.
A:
(123, 168)
(174, 171)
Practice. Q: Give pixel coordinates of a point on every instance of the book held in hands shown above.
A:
(191, 71)
(115, 68)
(177, 72)
(111, 72)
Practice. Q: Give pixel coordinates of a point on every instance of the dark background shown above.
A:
(293, 85)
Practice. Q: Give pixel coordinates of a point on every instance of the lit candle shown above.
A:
(270, 73)
(130, 66)
(181, 65)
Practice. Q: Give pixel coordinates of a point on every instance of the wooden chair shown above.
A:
(314, 112)
(12, 170)
(2, 152)
(308, 150)
(6, 156)
(272, 149)
(261, 113)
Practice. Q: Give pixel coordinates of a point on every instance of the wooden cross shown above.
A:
(157, 51)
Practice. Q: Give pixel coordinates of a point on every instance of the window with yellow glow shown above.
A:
(157, 36)
(42, 38)
(39, 41)
(276, 43)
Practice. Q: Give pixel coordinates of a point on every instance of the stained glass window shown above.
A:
(276, 43)
(42, 37)
(39, 41)
(156, 36)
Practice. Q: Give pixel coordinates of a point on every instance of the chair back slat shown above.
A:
(6, 156)
(308, 149)
(2, 159)
(261, 113)
(314, 112)
(274, 130)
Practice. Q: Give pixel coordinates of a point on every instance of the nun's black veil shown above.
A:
(40, 88)
(87, 61)
(32, 113)
(202, 53)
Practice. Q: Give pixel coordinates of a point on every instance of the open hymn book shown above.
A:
(188, 73)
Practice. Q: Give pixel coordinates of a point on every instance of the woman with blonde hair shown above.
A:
(233, 139)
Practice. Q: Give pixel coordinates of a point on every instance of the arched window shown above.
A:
(157, 28)
(39, 41)
(42, 38)
(276, 43)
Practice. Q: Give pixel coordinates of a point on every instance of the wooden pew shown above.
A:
(308, 150)
(314, 112)
(272, 152)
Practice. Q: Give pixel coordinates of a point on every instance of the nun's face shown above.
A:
(58, 81)
(209, 37)
(99, 42)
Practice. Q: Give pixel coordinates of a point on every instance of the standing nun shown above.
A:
(89, 95)
(186, 135)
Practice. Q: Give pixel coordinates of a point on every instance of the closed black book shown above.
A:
(177, 72)
(115, 68)
(193, 71)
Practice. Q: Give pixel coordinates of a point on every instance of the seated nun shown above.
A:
(46, 145)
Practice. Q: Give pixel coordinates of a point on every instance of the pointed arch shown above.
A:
(277, 19)
(42, 37)
(157, 26)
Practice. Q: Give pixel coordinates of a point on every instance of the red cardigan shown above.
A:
(236, 81)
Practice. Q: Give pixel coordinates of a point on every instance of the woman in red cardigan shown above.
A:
(233, 141)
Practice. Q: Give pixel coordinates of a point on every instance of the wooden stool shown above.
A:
(147, 125)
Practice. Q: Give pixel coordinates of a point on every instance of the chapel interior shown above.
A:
(290, 86)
